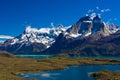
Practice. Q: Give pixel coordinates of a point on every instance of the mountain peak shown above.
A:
(86, 25)
(44, 38)
(97, 19)
(85, 18)
(100, 26)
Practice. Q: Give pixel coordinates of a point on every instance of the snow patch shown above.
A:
(44, 30)
(75, 35)
(14, 41)
(87, 34)
(115, 30)
(45, 75)
(87, 21)
(112, 28)
(45, 36)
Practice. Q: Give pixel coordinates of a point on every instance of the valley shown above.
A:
(11, 65)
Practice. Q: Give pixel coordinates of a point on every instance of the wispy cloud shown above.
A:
(105, 10)
(5, 37)
(93, 15)
(52, 24)
(111, 20)
(97, 11)
(90, 11)
(97, 8)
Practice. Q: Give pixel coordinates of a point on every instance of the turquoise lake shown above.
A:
(35, 56)
(70, 73)
(50, 56)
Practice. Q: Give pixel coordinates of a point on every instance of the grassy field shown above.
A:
(11, 65)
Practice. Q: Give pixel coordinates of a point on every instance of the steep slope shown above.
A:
(6, 54)
(32, 40)
(83, 26)
(97, 38)
(87, 37)
(87, 26)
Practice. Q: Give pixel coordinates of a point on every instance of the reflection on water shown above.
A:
(71, 73)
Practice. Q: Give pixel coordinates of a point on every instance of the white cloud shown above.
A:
(6, 37)
(86, 15)
(102, 10)
(99, 14)
(90, 10)
(97, 11)
(52, 24)
(93, 15)
(105, 10)
(97, 8)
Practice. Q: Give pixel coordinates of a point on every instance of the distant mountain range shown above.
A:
(87, 37)
(33, 40)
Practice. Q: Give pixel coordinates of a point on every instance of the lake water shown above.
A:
(35, 56)
(71, 73)
(49, 56)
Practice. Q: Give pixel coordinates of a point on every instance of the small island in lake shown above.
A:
(106, 75)
(59, 40)
(11, 65)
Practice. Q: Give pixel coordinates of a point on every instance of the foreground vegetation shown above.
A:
(106, 75)
(11, 65)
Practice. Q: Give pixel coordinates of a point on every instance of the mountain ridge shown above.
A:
(84, 32)
(93, 33)
(35, 40)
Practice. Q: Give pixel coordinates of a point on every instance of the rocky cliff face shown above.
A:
(96, 38)
(86, 26)
(87, 37)
(32, 40)
(83, 26)
(100, 26)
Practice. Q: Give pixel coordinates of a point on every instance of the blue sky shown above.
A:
(15, 15)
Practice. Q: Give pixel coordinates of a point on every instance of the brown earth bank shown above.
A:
(11, 65)
(106, 75)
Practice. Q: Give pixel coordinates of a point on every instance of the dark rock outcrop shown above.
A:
(101, 42)
(83, 26)
(87, 37)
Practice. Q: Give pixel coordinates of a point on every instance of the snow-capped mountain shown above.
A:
(88, 37)
(45, 37)
(112, 28)
(86, 26)
(77, 37)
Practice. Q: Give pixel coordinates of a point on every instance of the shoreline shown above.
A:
(106, 75)
(19, 65)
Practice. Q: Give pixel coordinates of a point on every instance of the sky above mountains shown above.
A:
(15, 15)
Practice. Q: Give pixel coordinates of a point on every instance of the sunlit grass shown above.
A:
(11, 65)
